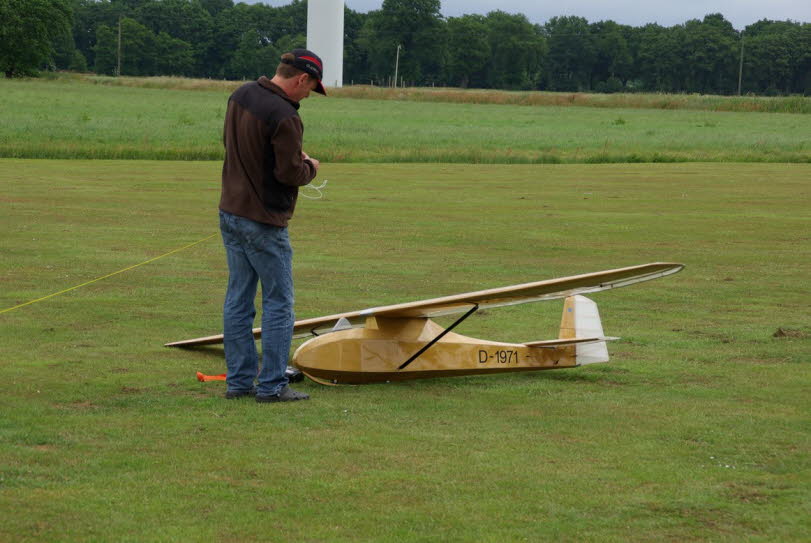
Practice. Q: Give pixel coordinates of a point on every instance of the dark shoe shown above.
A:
(286, 395)
(236, 394)
(293, 374)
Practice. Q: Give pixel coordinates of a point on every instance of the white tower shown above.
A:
(325, 37)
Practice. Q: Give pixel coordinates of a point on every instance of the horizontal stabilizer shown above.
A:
(552, 343)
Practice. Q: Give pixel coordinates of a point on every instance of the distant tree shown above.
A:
(710, 52)
(77, 62)
(137, 48)
(173, 56)
(659, 63)
(104, 50)
(571, 53)
(517, 50)
(186, 20)
(213, 7)
(28, 31)
(243, 32)
(355, 59)
(768, 63)
(87, 16)
(777, 57)
(802, 72)
(243, 64)
(291, 19)
(418, 27)
(374, 48)
(63, 48)
(142, 52)
(253, 57)
(769, 27)
(288, 43)
(613, 59)
(229, 26)
(468, 51)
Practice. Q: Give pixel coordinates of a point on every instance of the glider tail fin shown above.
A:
(582, 320)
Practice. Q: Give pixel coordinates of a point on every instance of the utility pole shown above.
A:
(740, 67)
(118, 67)
(397, 65)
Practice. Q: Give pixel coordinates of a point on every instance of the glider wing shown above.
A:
(459, 303)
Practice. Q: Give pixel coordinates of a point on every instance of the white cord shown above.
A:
(316, 189)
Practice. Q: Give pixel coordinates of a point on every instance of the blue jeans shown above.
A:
(257, 252)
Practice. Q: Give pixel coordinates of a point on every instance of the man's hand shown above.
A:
(316, 163)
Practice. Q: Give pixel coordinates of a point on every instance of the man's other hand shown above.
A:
(316, 163)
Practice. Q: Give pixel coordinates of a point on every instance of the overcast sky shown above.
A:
(631, 12)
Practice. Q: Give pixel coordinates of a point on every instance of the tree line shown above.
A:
(223, 40)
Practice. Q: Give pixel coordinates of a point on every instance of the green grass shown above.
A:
(697, 430)
(793, 104)
(77, 119)
(703, 102)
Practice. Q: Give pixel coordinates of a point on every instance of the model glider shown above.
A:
(398, 342)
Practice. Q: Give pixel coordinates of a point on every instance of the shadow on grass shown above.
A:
(481, 382)
(206, 350)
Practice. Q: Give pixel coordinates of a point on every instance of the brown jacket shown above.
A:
(263, 165)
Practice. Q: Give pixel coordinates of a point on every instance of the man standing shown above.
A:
(264, 166)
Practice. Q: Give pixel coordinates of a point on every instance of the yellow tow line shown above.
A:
(106, 276)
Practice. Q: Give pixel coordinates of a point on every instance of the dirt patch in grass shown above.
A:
(76, 405)
(789, 333)
(746, 493)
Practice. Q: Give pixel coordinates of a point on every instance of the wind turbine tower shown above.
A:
(325, 37)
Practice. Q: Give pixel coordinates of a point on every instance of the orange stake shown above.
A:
(204, 378)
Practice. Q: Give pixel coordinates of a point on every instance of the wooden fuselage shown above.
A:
(375, 353)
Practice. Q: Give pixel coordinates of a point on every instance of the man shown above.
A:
(264, 166)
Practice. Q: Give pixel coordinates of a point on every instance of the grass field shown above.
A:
(701, 102)
(78, 119)
(697, 430)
